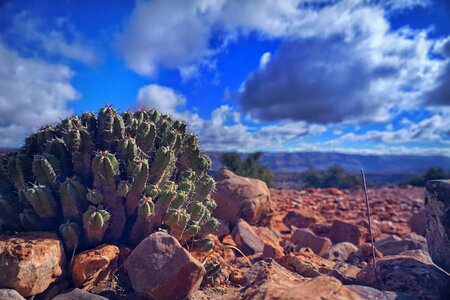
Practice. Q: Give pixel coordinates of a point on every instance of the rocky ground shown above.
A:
(271, 244)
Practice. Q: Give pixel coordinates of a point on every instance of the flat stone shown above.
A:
(374, 294)
(306, 263)
(394, 245)
(77, 294)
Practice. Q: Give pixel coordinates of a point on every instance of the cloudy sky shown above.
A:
(357, 76)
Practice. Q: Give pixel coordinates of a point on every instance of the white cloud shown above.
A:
(433, 129)
(264, 60)
(224, 129)
(33, 34)
(400, 5)
(160, 97)
(165, 33)
(32, 93)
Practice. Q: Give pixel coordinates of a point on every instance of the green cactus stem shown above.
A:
(73, 198)
(44, 170)
(105, 168)
(140, 175)
(70, 234)
(162, 165)
(145, 136)
(95, 223)
(42, 200)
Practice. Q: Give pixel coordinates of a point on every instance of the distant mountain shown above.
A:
(380, 169)
(6, 150)
(286, 162)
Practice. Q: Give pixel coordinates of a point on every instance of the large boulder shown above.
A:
(246, 238)
(30, 262)
(304, 237)
(437, 205)
(160, 268)
(91, 267)
(241, 197)
(412, 273)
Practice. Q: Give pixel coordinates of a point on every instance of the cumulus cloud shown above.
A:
(165, 33)
(33, 34)
(400, 5)
(434, 128)
(225, 128)
(160, 97)
(357, 69)
(440, 95)
(32, 93)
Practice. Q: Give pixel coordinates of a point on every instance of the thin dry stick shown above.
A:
(370, 224)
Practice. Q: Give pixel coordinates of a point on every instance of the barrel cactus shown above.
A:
(109, 178)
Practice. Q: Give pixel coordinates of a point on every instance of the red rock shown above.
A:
(306, 263)
(301, 218)
(246, 238)
(30, 262)
(91, 267)
(418, 222)
(160, 268)
(273, 251)
(413, 274)
(345, 232)
(395, 245)
(241, 197)
(265, 276)
(306, 238)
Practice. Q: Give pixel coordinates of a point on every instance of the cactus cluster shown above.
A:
(113, 178)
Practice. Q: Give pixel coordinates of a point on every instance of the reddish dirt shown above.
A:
(388, 204)
(391, 209)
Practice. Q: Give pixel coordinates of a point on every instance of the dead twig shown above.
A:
(370, 225)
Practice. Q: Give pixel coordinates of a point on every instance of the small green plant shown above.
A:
(334, 176)
(110, 178)
(430, 174)
(249, 167)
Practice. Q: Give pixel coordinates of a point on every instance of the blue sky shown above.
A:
(356, 76)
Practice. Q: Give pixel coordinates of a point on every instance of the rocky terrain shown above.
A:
(271, 244)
